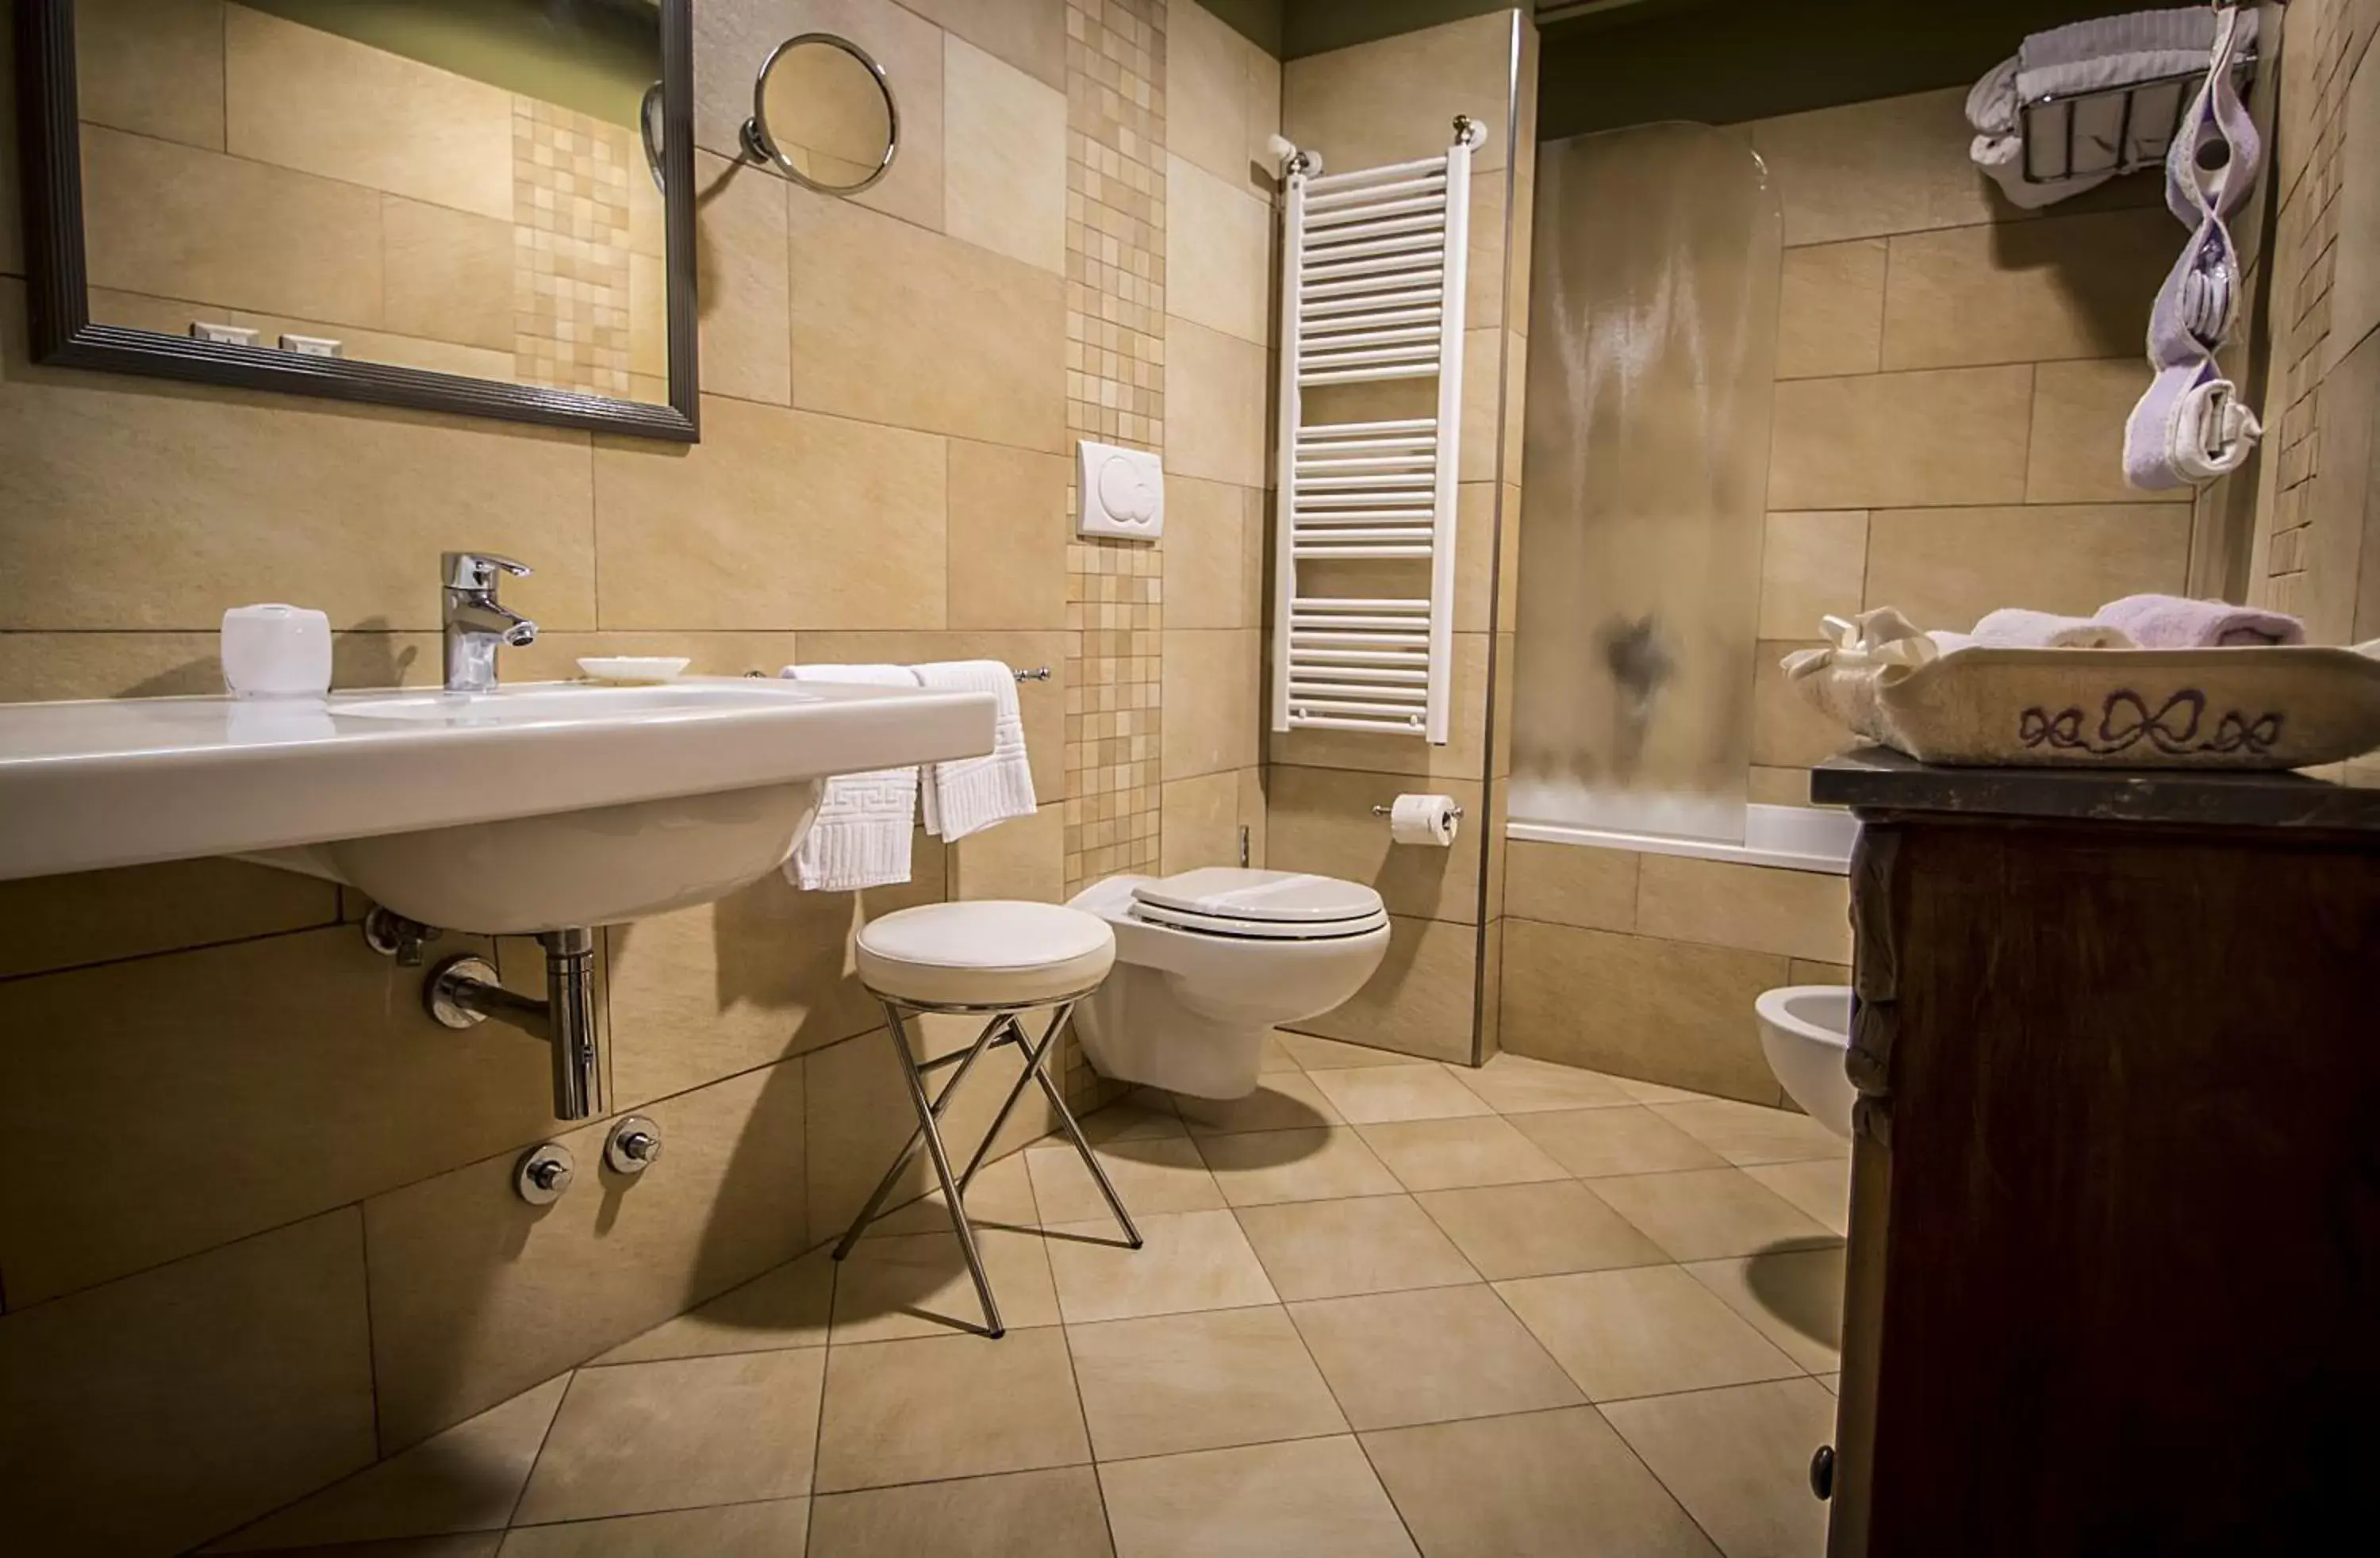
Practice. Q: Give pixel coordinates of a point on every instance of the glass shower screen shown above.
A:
(1652, 356)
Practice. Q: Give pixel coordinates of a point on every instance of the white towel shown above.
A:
(861, 837)
(971, 794)
(2016, 628)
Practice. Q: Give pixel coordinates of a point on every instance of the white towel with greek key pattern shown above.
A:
(861, 837)
(971, 794)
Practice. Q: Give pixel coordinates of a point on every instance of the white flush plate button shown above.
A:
(1119, 491)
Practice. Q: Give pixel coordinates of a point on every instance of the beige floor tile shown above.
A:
(1656, 1092)
(1053, 1514)
(1367, 1094)
(1192, 1260)
(1441, 1154)
(940, 1407)
(1709, 1213)
(1739, 1460)
(1002, 1196)
(1792, 1297)
(1594, 1142)
(1834, 1383)
(1152, 1173)
(1538, 1230)
(1822, 1188)
(1642, 1331)
(1276, 1055)
(1283, 1101)
(1429, 1356)
(1302, 1500)
(1334, 1249)
(1557, 1484)
(1198, 1381)
(918, 1284)
(477, 1544)
(1143, 1114)
(1745, 1134)
(1316, 1054)
(786, 1306)
(467, 1478)
(1519, 1085)
(1262, 1167)
(677, 1433)
(737, 1531)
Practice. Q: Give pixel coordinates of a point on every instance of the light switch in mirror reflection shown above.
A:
(460, 186)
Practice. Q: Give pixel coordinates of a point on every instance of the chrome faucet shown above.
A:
(476, 622)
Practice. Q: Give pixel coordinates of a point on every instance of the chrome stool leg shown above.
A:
(928, 1110)
(1035, 1069)
(983, 1041)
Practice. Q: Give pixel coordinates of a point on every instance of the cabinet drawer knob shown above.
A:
(1822, 1472)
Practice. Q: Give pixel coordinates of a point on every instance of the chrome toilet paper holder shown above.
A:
(1453, 811)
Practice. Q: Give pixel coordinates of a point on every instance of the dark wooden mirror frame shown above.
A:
(59, 302)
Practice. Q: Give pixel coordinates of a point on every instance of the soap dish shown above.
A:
(633, 667)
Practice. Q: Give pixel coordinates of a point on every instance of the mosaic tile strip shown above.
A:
(570, 252)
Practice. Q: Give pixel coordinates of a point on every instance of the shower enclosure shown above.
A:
(1652, 356)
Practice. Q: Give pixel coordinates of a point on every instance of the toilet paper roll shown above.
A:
(1423, 820)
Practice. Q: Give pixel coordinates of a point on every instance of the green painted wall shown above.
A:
(1313, 27)
(1721, 62)
(1259, 22)
(597, 56)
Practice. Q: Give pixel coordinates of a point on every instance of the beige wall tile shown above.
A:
(2076, 452)
(649, 323)
(1812, 564)
(61, 921)
(112, 664)
(148, 1415)
(1320, 820)
(1952, 436)
(759, 975)
(1570, 886)
(1199, 823)
(1945, 567)
(1393, 99)
(302, 1080)
(1008, 532)
(1028, 34)
(1208, 553)
(2063, 287)
(1210, 701)
(1668, 1012)
(1800, 914)
(2355, 297)
(449, 273)
(1463, 757)
(152, 66)
(730, 42)
(856, 540)
(1779, 786)
(968, 343)
(1255, 813)
(1788, 731)
(1022, 858)
(1483, 366)
(237, 491)
(742, 284)
(310, 100)
(1896, 164)
(1483, 302)
(466, 1280)
(1005, 163)
(1207, 91)
(1830, 309)
(1216, 399)
(1423, 1000)
(236, 233)
(1218, 253)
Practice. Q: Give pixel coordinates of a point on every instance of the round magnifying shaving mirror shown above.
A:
(823, 112)
(649, 128)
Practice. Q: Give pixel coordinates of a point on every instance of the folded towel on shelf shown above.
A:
(2015, 627)
(2174, 622)
(861, 837)
(971, 794)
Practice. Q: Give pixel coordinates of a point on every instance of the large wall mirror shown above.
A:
(482, 206)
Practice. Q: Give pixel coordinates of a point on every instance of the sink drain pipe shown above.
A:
(463, 993)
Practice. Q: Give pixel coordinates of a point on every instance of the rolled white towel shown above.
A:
(2015, 627)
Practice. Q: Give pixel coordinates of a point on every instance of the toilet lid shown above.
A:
(1260, 930)
(1231, 897)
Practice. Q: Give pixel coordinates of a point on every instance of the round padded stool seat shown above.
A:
(991, 952)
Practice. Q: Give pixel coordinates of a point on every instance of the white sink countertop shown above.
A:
(122, 782)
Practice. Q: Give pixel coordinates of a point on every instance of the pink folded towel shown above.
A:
(2174, 622)
(2015, 627)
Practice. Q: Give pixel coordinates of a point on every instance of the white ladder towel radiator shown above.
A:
(1372, 288)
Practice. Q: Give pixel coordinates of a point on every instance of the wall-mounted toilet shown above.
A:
(1209, 961)
(1805, 1031)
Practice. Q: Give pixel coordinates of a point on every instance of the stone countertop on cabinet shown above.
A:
(1875, 780)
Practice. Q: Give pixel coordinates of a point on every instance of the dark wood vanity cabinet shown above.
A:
(2114, 1273)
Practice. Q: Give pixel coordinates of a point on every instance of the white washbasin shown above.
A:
(529, 807)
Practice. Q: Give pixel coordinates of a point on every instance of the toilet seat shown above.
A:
(1260, 905)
